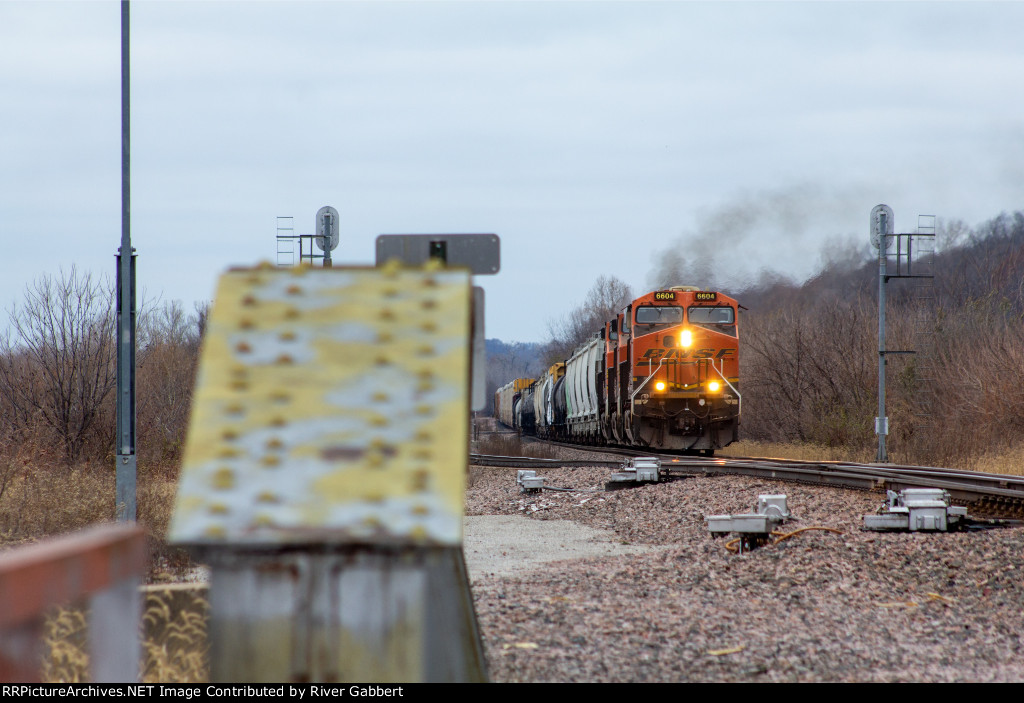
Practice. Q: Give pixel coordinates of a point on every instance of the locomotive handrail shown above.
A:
(650, 375)
(721, 374)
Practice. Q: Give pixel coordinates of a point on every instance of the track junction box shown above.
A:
(754, 529)
(529, 481)
(638, 469)
(917, 510)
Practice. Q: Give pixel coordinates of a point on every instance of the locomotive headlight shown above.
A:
(685, 339)
(713, 386)
(659, 386)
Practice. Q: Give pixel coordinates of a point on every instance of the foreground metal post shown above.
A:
(125, 461)
(324, 476)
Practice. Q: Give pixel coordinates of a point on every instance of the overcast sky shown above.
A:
(590, 136)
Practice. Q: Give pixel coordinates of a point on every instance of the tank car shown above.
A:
(544, 397)
(525, 412)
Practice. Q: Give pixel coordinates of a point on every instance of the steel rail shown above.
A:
(977, 477)
(523, 462)
(992, 492)
(868, 477)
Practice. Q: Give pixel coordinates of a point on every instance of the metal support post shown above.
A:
(328, 234)
(903, 265)
(881, 422)
(125, 461)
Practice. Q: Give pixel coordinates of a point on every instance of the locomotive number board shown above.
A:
(665, 295)
(704, 296)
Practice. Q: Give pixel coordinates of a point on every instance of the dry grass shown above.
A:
(65, 658)
(41, 502)
(513, 445)
(1003, 461)
(795, 450)
(175, 647)
(174, 643)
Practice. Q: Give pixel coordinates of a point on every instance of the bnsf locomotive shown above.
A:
(664, 373)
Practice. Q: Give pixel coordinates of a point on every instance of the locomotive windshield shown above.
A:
(661, 316)
(719, 319)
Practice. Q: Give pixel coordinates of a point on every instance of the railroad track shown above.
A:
(530, 462)
(991, 495)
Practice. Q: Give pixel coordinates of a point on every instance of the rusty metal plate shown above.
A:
(331, 406)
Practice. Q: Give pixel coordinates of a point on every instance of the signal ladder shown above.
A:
(285, 241)
(925, 328)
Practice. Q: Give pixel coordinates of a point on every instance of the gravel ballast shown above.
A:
(860, 606)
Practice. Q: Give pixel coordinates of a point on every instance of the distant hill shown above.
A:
(809, 352)
(508, 361)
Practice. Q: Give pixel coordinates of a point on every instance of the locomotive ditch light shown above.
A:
(713, 386)
(659, 386)
(685, 339)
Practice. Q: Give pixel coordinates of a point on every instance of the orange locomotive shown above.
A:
(671, 371)
(663, 374)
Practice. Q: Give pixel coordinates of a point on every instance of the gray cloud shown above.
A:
(783, 232)
(587, 135)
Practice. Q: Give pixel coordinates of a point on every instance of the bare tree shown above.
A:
(57, 357)
(951, 234)
(603, 302)
(807, 372)
(168, 359)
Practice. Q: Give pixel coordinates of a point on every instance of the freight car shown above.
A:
(506, 398)
(664, 374)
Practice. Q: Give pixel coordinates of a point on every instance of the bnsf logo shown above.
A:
(708, 353)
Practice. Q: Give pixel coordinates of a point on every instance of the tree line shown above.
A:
(58, 373)
(808, 358)
(809, 361)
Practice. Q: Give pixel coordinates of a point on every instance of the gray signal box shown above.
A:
(480, 253)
